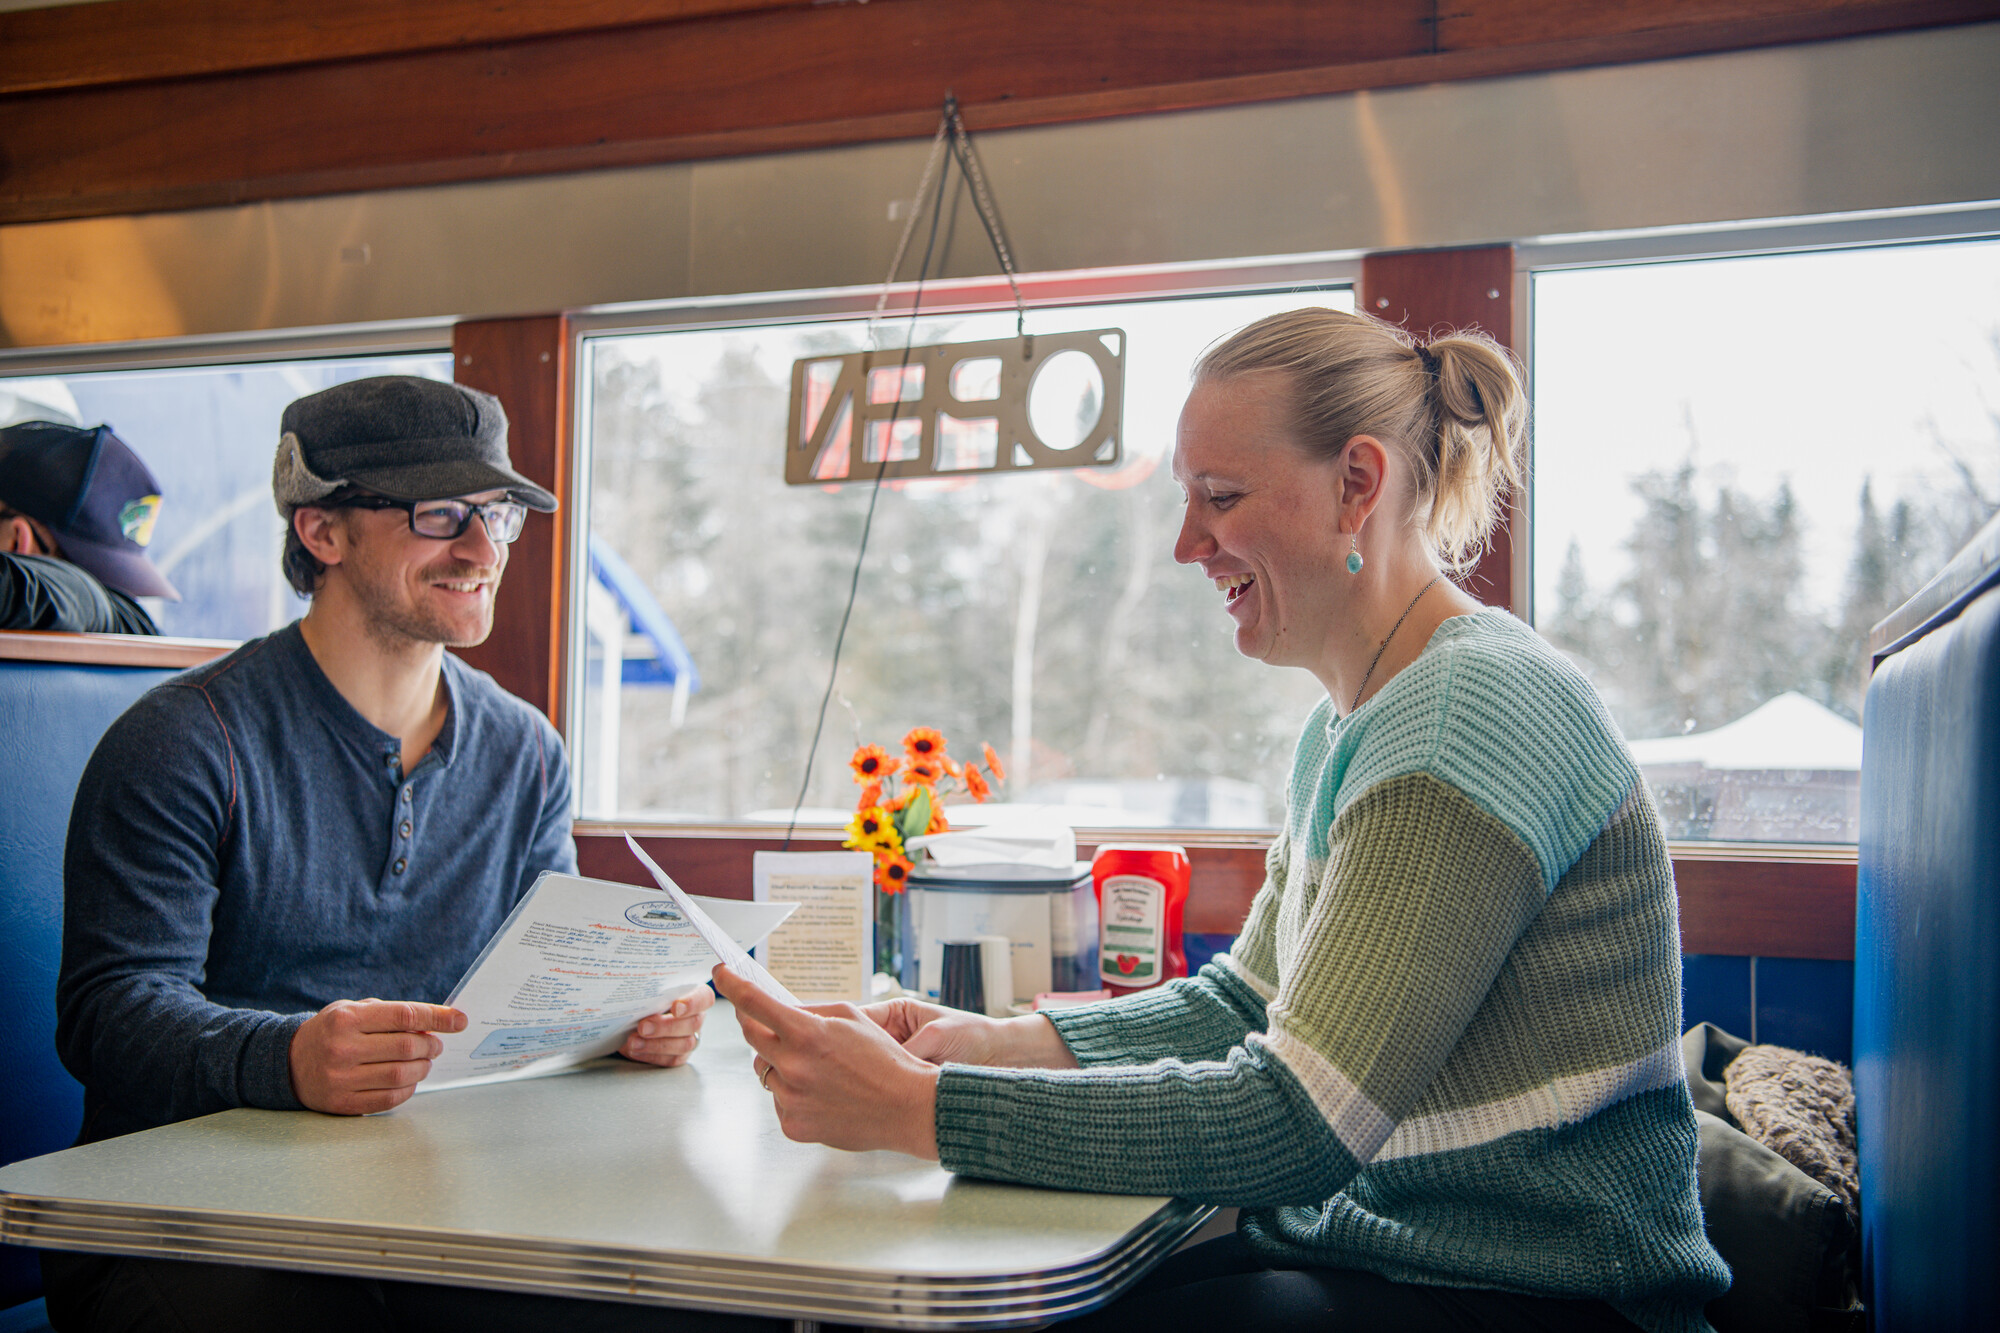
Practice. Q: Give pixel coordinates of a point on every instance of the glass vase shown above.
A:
(895, 953)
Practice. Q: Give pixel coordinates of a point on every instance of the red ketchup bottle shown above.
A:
(1141, 892)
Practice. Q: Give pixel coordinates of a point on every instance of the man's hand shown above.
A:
(953, 1036)
(669, 1037)
(356, 1057)
(836, 1077)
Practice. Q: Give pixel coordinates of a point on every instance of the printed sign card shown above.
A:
(826, 948)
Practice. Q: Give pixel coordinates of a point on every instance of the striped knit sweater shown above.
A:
(1444, 1048)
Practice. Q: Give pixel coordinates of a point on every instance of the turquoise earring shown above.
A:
(1354, 555)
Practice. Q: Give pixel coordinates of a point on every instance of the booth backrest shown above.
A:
(51, 716)
(1927, 971)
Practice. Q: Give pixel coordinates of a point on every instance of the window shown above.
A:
(208, 434)
(1740, 466)
(1042, 613)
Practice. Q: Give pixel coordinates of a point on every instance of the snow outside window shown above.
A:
(1740, 466)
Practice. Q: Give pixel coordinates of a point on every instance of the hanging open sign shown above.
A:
(1006, 405)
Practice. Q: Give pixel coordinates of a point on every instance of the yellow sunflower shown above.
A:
(872, 830)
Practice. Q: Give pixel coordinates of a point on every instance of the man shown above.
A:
(340, 809)
(77, 509)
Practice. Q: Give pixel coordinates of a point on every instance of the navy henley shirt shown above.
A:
(245, 849)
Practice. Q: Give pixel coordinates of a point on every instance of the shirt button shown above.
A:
(406, 828)
(406, 794)
(398, 867)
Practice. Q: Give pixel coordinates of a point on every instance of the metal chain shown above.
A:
(1375, 660)
(968, 161)
(910, 227)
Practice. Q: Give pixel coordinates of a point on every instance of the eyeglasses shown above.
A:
(444, 520)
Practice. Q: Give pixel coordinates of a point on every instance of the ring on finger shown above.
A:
(764, 1079)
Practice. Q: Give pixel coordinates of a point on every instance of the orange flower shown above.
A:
(993, 765)
(892, 872)
(938, 824)
(924, 743)
(952, 766)
(872, 763)
(870, 795)
(976, 785)
(923, 772)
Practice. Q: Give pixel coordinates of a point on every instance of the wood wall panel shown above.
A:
(1767, 908)
(1224, 880)
(1745, 908)
(460, 90)
(524, 363)
(1430, 292)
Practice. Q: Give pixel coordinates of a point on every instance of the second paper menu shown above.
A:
(575, 966)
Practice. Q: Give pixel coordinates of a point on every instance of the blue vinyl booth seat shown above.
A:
(51, 716)
(1927, 956)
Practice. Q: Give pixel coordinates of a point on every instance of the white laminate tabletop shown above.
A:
(620, 1180)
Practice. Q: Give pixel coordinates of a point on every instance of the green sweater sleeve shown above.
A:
(1202, 1017)
(1397, 938)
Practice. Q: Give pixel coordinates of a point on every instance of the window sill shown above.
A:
(1772, 900)
(130, 650)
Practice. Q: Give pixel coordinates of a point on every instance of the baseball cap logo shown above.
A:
(136, 519)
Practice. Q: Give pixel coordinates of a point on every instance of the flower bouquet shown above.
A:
(904, 798)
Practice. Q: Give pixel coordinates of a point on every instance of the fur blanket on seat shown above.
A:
(1802, 1108)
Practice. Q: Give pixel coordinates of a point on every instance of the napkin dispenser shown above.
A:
(1020, 879)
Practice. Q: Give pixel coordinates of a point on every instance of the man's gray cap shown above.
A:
(402, 436)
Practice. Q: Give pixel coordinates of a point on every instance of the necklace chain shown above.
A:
(1375, 661)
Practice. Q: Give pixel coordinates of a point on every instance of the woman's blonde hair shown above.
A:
(1452, 408)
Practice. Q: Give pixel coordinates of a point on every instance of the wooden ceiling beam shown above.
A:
(780, 79)
(133, 41)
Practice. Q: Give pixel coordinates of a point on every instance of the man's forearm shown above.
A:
(158, 1053)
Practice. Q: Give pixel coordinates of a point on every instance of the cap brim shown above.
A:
(127, 571)
(445, 481)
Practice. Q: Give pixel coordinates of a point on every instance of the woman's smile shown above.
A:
(1234, 587)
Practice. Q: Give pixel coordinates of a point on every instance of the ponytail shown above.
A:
(1481, 422)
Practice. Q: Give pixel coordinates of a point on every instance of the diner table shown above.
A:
(618, 1181)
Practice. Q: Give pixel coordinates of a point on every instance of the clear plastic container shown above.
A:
(1050, 923)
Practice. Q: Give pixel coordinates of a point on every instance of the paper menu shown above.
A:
(576, 964)
(736, 955)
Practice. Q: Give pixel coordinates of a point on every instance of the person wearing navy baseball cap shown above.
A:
(77, 509)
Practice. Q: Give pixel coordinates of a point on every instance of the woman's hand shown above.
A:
(669, 1037)
(835, 1076)
(939, 1035)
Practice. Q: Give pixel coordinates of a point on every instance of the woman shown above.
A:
(1438, 1070)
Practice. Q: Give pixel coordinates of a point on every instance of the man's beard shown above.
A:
(392, 618)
